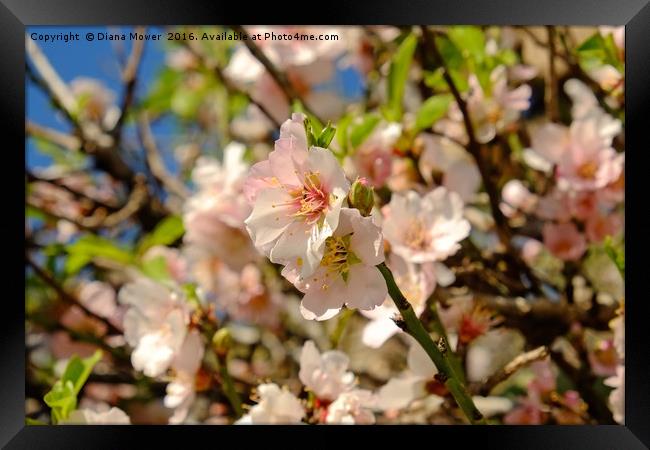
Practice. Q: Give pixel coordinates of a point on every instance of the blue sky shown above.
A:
(96, 59)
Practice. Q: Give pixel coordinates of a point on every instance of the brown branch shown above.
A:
(279, 76)
(66, 296)
(502, 227)
(101, 218)
(61, 184)
(155, 161)
(212, 65)
(552, 105)
(129, 78)
(64, 140)
(513, 366)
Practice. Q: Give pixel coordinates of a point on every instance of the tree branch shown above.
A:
(157, 165)
(279, 76)
(502, 227)
(66, 296)
(212, 65)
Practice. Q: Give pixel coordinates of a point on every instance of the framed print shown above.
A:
(249, 219)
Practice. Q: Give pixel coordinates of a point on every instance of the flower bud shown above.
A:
(221, 342)
(362, 196)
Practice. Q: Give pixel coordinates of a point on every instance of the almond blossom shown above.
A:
(564, 241)
(352, 408)
(275, 406)
(155, 324)
(346, 274)
(181, 391)
(490, 112)
(298, 194)
(446, 163)
(326, 374)
(583, 152)
(425, 229)
(373, 160)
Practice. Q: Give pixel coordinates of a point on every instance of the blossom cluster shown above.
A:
(236, 273)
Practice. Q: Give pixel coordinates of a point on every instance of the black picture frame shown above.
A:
(15, 15)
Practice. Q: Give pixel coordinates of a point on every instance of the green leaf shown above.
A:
(62, 398)
(168, 231)
(397, 76)
(90, 246)
(78, 370)
(156, 268)
(359, 132)
(326, 136)
(470, 40)
(616, 253)
(29, 421)
(433, 109)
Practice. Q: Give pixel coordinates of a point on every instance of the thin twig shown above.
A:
(279, 76)
(212, 65)
(101, 218)
(513, 366)
(552, 105)
(502, 227)
(155, 161)
(66, 296)
(59, 138)
(129, 78)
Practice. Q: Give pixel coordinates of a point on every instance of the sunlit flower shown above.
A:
(155, 324)
(352, 408)
(299, 208)
(617, 396)
(425, 229)
(467, 318)
(373, 160)
(181, 391)
(346, 274)
(275, 406)
(444, 162)
(326, 375)
(582, 152)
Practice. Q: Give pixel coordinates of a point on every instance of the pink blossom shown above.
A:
(564, 241)
(425, 229)
(346, 274)
(300, 207)
(445, 158)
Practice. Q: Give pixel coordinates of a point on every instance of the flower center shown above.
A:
(312, 200)
(587, 170)
(338, 258)
(416, 235)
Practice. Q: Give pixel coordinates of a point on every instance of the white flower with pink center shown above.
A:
(583, 152)
(425, 229)
(298, 194)
(346, 274)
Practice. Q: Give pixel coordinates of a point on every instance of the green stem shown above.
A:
(436, 352)
(228, 387)
(451, 356)
(337, 334)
